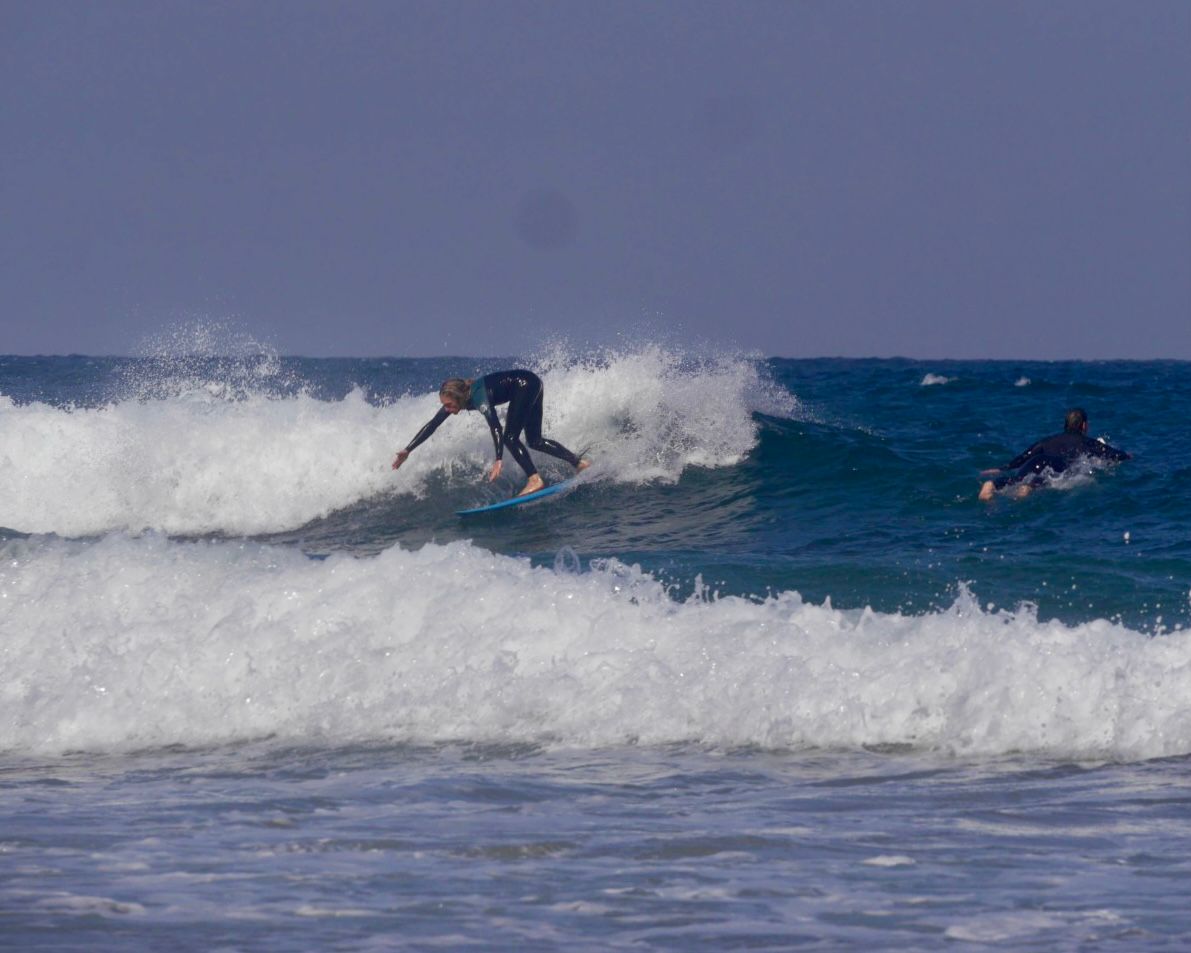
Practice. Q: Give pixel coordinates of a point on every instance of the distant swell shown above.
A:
(141, 642)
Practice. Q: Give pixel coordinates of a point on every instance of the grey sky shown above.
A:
(930, 179)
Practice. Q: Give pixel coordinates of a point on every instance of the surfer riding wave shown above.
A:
(522, 391)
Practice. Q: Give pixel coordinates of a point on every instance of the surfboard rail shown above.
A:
(551, 490)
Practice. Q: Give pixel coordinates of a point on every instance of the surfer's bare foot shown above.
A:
(532, 485)
(582, 465)
(986, 491)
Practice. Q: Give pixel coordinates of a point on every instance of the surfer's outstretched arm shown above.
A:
(426, 431)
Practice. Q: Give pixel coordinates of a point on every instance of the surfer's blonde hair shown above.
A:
(458, 389)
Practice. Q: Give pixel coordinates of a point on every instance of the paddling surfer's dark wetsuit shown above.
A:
(1056, 454)
(522, 391)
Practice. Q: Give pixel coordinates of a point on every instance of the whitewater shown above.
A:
(770, 676)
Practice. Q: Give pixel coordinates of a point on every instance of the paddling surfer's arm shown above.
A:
(1098, 448)
(1026, 456)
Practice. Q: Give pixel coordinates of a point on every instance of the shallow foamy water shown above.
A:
(381, 847)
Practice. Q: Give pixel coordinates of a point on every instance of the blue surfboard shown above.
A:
(518, 500)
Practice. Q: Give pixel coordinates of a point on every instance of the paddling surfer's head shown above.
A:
(454, 393)
(1077, 420)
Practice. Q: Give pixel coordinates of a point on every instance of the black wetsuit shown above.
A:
(1056, 454)
(522, 391)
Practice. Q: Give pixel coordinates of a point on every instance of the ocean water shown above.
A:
(770, 678)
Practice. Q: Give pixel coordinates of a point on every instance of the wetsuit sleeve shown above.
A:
(1026, 456)
(1094, 448)
(427, 430)
(498, 436)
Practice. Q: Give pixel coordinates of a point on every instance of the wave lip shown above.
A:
(141, 642)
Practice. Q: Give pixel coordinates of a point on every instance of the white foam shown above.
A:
(889, 860)
(206, 459)
(190, 465)
(934, 380)
(61, 903)
(652, 412)
(1073, 478)
(997, 928)
(133, 642)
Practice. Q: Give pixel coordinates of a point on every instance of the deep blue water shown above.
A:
(772, 676)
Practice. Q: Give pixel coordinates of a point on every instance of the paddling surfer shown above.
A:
(1055, 453)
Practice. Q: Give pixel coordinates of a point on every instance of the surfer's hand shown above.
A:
(402, 456)
(993, 472)
(494, 473)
